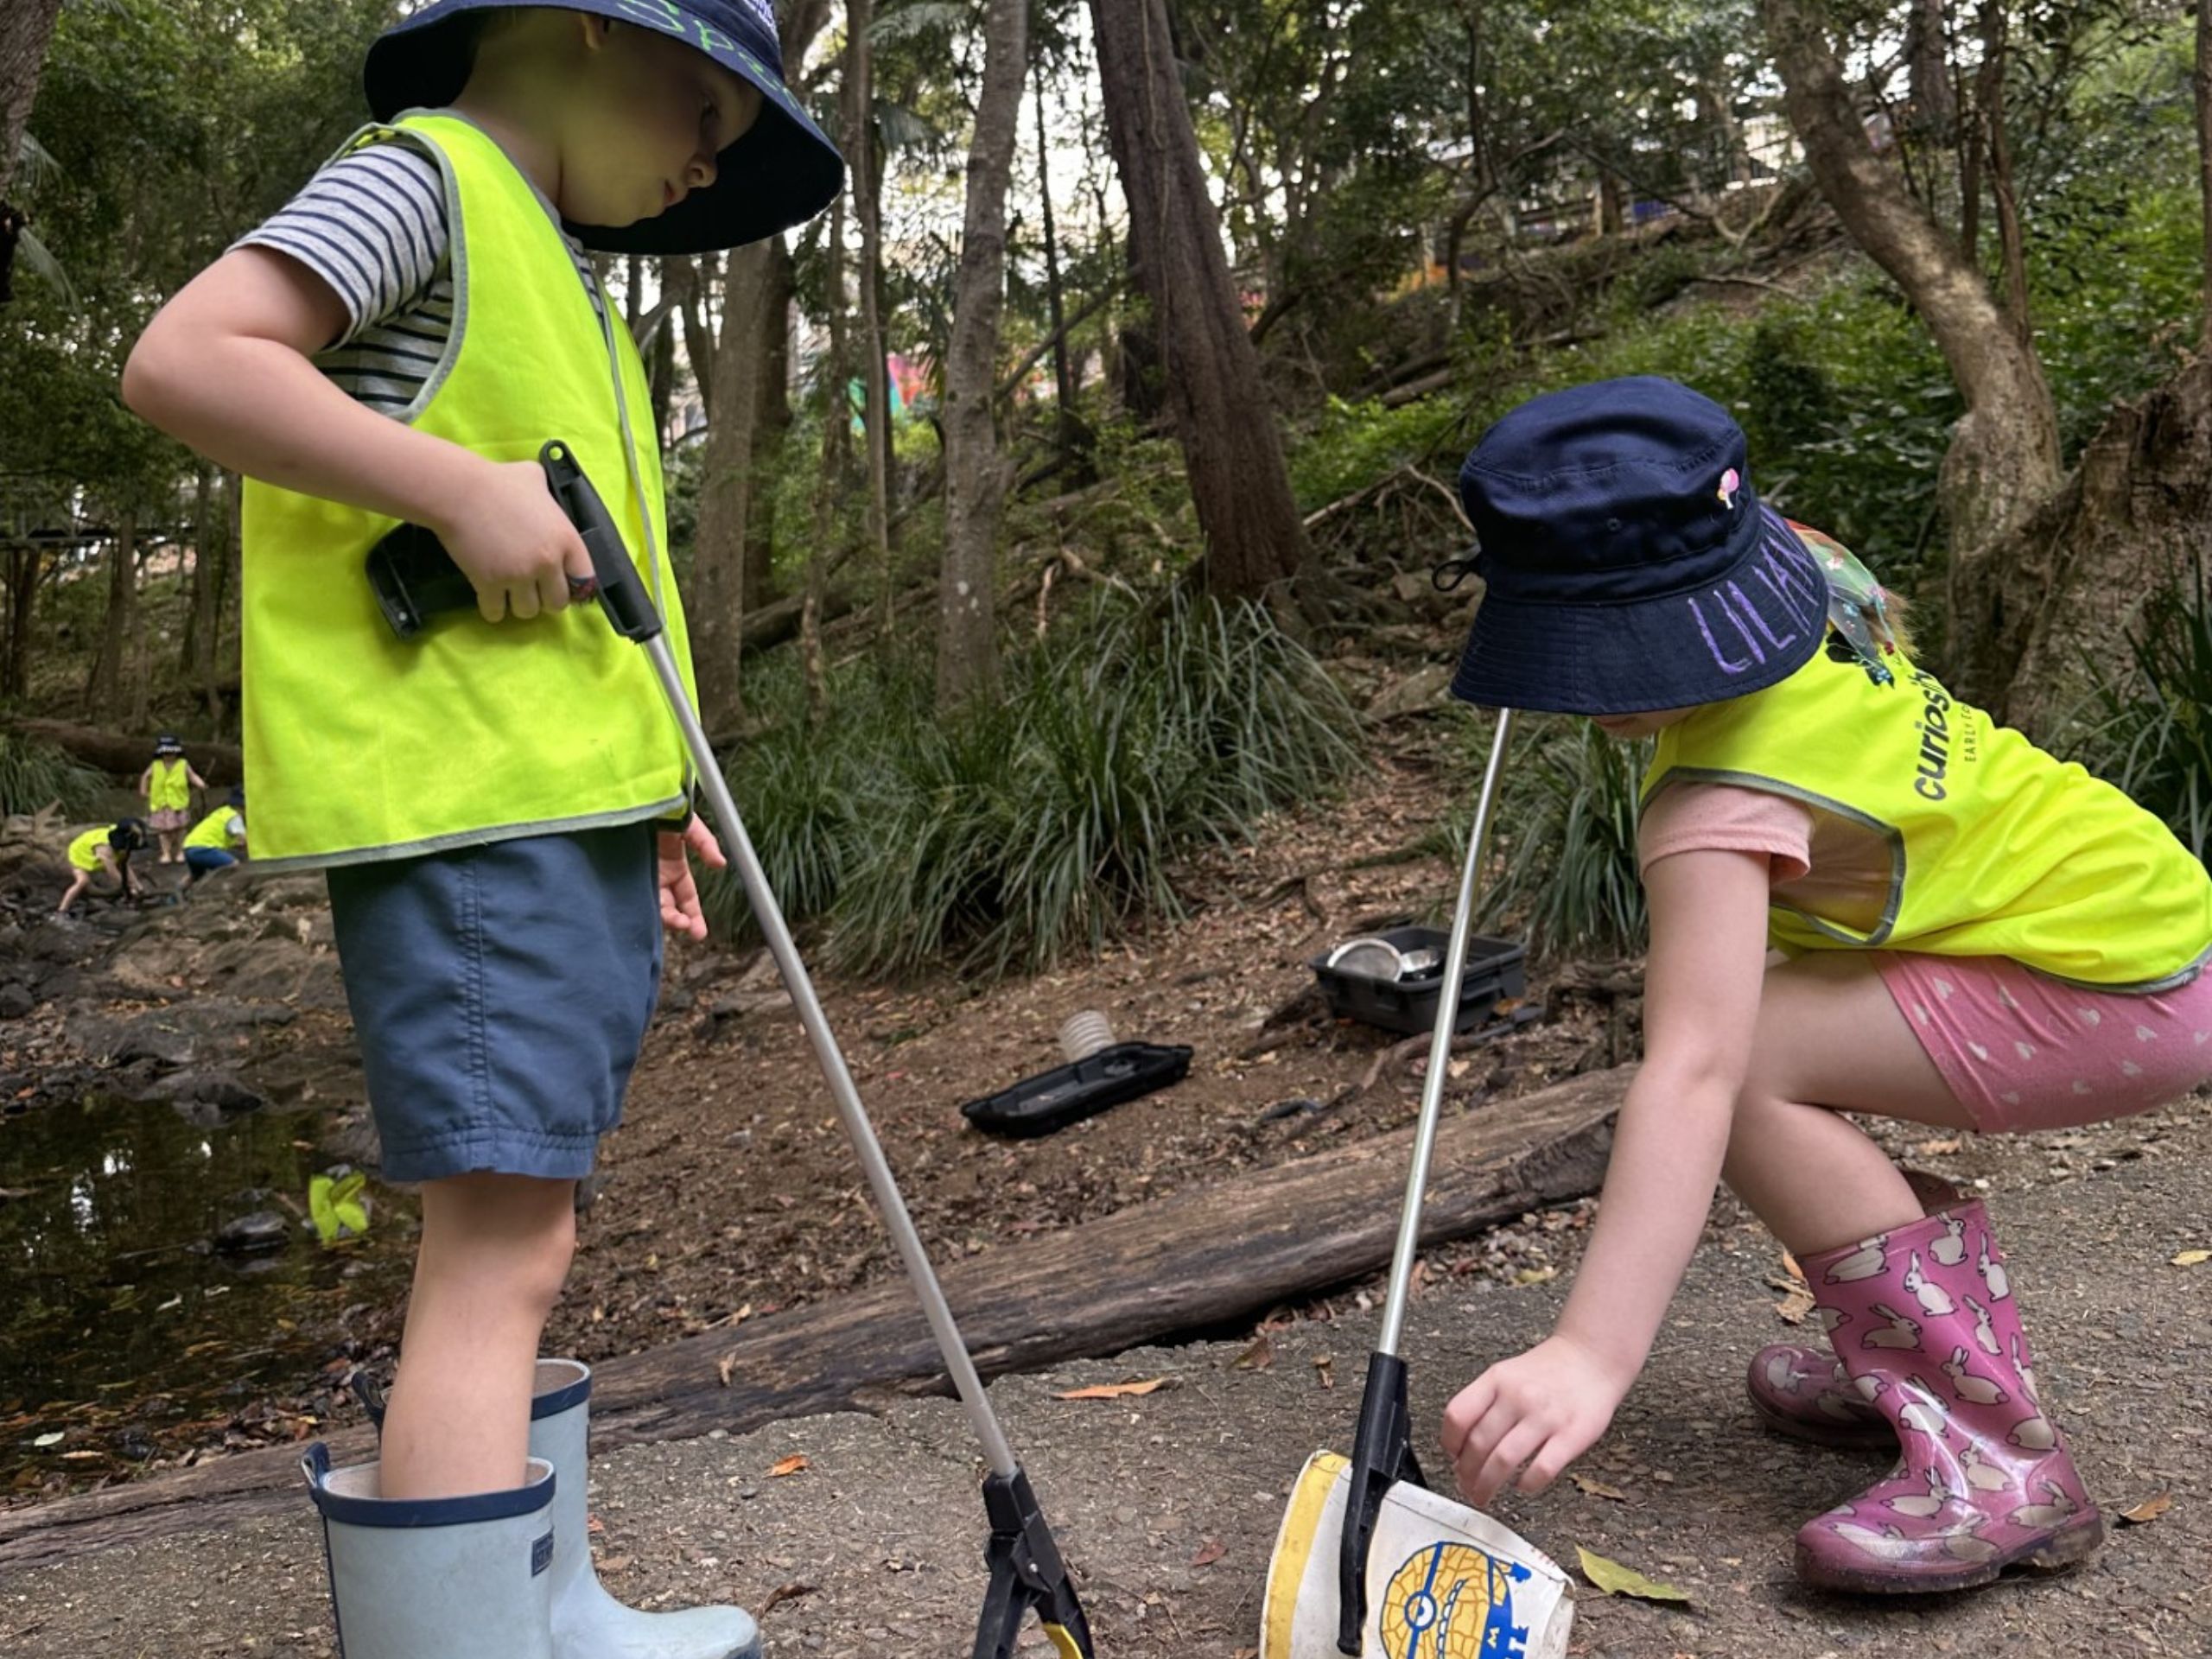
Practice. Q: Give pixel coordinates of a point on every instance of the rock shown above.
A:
(264, 1230)
(15, 1002)
(1420, 692)
(220, 1090)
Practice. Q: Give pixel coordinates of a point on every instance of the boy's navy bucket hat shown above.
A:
(780, 173)
(1628, 563)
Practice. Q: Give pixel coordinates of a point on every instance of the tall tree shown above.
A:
(974, 470)
(1255, 543)
(25, 28)
(861, 154)
(2003, 461)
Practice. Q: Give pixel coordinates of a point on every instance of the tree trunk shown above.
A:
(661, 366)
(138, 691)
(2003, 462)
(975, 471)
(2201, 80)
(23, 574)
(779, 286)
(104, 690)
(25, 28)
(1065, 421)
(1232, 448)
(860, 155)
(726, 492)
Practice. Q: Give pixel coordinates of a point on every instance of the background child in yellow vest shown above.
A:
(166, 786)
(1976, 937)
(396, 347)
(218, 841)
(106, 848)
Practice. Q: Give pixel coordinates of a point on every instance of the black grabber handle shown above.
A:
(415, 578)
(1382, 1456)
(1027, 1572)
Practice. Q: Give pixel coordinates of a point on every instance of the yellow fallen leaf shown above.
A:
(1790, 1266)
(1536, 1275)
(1618, 1580)
(1114, 1390)
(790, 1466)
(1598, 1488)
(1938, 1148)
(2192, 1258)
(2149, 1509)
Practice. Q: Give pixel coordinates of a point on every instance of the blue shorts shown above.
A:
(501, 994)
(205, 861)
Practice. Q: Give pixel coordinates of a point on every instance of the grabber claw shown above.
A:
(1026, 1572)
(1381, 1457)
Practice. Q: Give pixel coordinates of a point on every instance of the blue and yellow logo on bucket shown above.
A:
(1453, 1601)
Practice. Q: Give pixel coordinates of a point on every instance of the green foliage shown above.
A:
(1564, 849)
(2154, 738)
(338, 1206)
(1009, 834)
(34, 775)
(1353, 444)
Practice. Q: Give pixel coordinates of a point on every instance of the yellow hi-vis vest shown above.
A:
(213, 831)
(360, 746)
(169, 788)
(84, 851)
(1996, 849)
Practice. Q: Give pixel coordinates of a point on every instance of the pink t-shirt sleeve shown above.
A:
(1688, 818)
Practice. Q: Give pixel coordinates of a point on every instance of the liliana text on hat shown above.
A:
(671, 19)
(1791, 592)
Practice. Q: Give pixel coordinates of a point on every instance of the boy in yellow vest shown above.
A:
(1973, 936)
(217, 841)
(104, 847)
(509, 832)
(166, 786)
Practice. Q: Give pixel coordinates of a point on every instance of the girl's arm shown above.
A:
(198, 782)
(1547, 1406)
(146, 782)
(224, 368)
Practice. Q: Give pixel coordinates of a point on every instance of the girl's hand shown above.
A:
(1543, 1408)
(679, 893)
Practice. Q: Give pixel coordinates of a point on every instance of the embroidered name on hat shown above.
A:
(1790, 597)
(765, 11)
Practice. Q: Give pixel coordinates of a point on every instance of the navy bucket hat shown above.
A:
(1627, 564)
(781, 173)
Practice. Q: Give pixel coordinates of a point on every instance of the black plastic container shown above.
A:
(1068, 1094)
(1496, 972)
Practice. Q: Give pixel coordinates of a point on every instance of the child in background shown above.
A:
(1977, 938)
(106, 847)
(166, 786)
(217, 841)
(397, 345)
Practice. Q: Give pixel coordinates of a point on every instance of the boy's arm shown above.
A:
(223, 368)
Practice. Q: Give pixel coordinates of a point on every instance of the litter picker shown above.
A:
(1368, 1561)
(415, 578)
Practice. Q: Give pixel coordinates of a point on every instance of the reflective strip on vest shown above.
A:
(1997, 849)
(360, 746)
(170, 789)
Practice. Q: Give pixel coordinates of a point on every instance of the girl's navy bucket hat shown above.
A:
(780, 173)
(1627, 564)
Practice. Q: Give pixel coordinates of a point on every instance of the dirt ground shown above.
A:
(730, 1191)
(1166, 1505)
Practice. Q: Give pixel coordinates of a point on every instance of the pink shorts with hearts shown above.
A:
(2021, 1052)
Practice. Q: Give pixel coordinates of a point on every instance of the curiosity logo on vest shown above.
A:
(1934, 728)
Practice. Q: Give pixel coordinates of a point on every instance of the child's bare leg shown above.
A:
(495, 1252)
(1830, 1039)
(78, 883)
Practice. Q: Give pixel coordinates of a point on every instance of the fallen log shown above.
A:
(1200, 1258)
(125, 754)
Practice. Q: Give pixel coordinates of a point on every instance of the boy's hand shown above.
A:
(514, 542)
(1544, 1408)
(679, 893)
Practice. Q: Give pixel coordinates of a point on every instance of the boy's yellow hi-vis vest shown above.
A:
(169, 788)
(1996, 849)
(84, 851)
(213, 831)
(360, 746)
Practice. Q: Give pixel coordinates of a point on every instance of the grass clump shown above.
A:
(34, 775)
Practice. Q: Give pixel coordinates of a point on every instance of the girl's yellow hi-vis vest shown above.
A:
(169, 788)
(1996, 849)
(360, 746)
(84, 851)
(213, 831)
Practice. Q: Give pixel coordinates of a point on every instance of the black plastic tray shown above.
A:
(1068, 1094)
(1497, 972)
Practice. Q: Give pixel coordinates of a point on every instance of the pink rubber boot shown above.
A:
(1924, 1321)
(1807, 1394)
